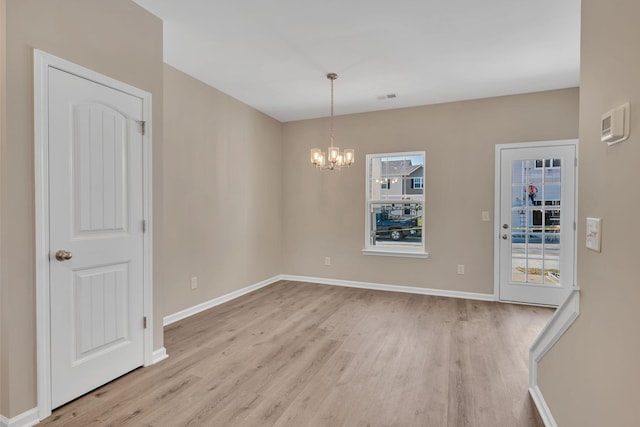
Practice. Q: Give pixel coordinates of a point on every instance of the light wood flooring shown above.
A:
(298, 354)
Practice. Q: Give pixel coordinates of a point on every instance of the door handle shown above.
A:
(505, 226)
(62, 255)
(505, 237)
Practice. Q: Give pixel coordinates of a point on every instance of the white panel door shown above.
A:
(95, 214)
(536, 235)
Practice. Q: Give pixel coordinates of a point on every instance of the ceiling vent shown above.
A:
(388, 96)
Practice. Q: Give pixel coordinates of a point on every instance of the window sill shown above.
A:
(396, 253)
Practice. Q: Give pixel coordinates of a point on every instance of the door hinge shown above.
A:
(143, 127)
(144, 322)
(144, 225)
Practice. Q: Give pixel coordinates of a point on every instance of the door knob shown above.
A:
(62, 255)
(505, 226)
(505, 237)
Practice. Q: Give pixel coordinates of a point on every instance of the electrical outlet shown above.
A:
(194, 283)
(327, 260)
(460, 268)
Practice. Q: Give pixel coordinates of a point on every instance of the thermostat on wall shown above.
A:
(615, 125)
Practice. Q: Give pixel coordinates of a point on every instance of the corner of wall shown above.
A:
(3, 346)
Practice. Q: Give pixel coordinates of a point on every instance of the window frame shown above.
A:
(394, 248)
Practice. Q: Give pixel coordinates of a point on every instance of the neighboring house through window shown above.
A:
(395, 204)
(548, 163)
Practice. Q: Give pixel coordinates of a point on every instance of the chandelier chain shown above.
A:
(332, 78)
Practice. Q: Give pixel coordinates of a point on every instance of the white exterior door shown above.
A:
(536, 186)
(95, 214)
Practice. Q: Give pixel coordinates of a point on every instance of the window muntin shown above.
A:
(548, 163)
(395, 202)
(535, 221)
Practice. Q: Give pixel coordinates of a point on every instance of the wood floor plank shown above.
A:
(298, 354)
(303, 410)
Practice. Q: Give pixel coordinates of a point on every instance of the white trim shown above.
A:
(390, 288)
(404, 249)
(398, 253)
(497, 207)
(42, 62)
(41, 168)
(158, 356)
(183, 314)
(538, 144)
(497, 182)
(147, 236)
(541, 405)
(562, 319)
(26, 419)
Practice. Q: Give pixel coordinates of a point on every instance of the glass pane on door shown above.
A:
(535, 221)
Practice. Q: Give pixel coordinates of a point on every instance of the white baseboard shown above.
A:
(390, 288)
(562, 319)
(26, 419)
(541, 405)
(158, 355)
(183, 314)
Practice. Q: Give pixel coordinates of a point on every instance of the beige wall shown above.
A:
(235, 199)
(116, 38)
(324, 212)
(591, 377)
(4, 385)
(222, 193)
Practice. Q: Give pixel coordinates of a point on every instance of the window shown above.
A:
(395, 204)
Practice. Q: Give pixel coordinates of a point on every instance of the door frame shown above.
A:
(42, 62)
(497, 207)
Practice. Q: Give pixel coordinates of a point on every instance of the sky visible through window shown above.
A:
(415, 160)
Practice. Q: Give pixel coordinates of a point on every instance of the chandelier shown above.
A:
(333, 158)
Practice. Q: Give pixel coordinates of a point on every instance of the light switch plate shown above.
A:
(485, 216)
(594, 235)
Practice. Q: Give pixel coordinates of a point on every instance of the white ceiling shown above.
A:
(274, 54)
